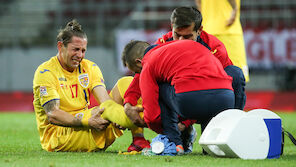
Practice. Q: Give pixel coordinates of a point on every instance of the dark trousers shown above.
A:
(238, 85)
(199, 105)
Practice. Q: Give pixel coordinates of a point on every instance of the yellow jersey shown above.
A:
(215, 14)
(73, 89)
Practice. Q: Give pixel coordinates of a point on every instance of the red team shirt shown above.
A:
(185, 64)
(217, 48)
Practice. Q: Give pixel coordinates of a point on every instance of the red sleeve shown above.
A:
(217, 48)
(188, 122)
(133, 92)
(164, 38)
(150, 93)
(221, 53)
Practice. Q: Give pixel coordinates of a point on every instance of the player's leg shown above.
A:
(139, 141)
(203, 105)
(79, 139)
(188, 135)
(103, 139)
(69, 140)
(169, 115)
(117, 94)
(238, 85)
(188, 138)
(114, 110)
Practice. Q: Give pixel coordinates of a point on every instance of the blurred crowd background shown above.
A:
(28, 30)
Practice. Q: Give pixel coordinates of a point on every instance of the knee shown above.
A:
(237, 75)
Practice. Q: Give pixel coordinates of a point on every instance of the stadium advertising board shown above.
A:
(265, 49)
(270, 48)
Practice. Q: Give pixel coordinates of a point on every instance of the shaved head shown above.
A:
(132, 51)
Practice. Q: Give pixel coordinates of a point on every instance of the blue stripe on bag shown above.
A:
(274, 127)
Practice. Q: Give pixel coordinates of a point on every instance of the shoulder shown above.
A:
(47, 63)
(89, 65)
(87, 62)
(165, 38)
(45, 72)
(168, 35)
(210, 39)
(125, 79)
(46, 67)
(123, 84)
(206, 36)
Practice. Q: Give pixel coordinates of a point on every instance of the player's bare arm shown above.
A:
(101, 94)
(59, 117)
(233, 13)
(116, 95)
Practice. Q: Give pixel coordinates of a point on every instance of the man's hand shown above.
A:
(133, 113)
(231, 20)
(234, 12)
(96, 121)
(181, 127)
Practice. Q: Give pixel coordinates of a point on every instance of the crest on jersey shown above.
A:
(83, 80)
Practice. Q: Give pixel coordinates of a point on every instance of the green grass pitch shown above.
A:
(20, 146)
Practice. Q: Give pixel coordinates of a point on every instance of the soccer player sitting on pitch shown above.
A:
(186, 23)
(62, 87)
(178, 78)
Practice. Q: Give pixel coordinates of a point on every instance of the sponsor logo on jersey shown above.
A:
(43, 91)
(44, 71)
(62, 79)
(83, 80)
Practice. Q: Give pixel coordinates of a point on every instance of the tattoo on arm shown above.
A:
(60, 118)
(50, 106)
(77, 122)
